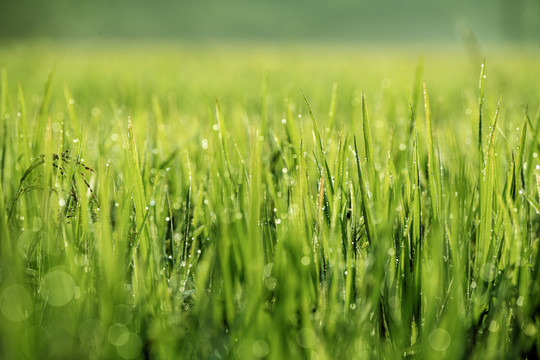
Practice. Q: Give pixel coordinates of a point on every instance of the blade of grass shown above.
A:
(368, 143)
(487, 188)
(481, 86)
(3, 117)
(432, 168)
(333, 104)
(366, 210)
(41, 121)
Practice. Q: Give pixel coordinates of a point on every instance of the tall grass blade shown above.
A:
(41, 121)
(481, 85)
(487, 193)
(366, 209)
(434, 182)
(333, 104)
(4, 119)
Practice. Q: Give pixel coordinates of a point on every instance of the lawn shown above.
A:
(282, 202)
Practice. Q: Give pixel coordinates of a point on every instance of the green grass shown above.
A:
(181, 202)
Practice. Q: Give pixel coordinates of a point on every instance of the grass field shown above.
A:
(282, 203)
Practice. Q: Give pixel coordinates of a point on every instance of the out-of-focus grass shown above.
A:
(181, 202)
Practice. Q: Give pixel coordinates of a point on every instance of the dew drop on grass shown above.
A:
(493, 326)
(204, 144)
(305, 261)
(530, 330)
(270, 283)
(167, 219)
(268, 269)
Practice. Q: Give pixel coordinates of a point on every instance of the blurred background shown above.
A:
(365, 21)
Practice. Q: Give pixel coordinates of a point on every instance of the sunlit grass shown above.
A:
(235, 203)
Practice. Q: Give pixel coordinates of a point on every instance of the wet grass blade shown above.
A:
(3, 118)
(333, 104)
(487, 195)
(368, 143)
(481, 86)
(366, 210)
(434, 181)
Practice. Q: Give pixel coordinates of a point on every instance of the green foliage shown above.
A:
(143, 218)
